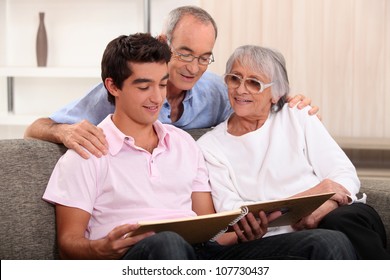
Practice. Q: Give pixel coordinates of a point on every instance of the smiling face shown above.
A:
(139, 101)
(190, 36)
(246, 105)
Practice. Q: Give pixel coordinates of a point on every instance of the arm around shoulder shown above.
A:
(44, 129)
(79, 136)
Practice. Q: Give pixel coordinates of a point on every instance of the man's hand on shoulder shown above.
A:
(302, 102)
(83, 135)
(78, 137)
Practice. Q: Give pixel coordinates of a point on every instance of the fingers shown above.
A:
(274, 215)
(341, 199)
(300, 225)
(293, 101)
(312, 220)
(91, 138)
(130, 241)
(299, 98)
(264, 220)
(85, 136)
(314, 110)
(250, 228)
(305, 101)
(245, 232)
(239, 232)
(118, 241)
(327, 185)
(341, 196)
(123, 233)
(302, 101)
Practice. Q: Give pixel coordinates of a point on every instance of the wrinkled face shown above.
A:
(245, 104)
(143, 93)
(189, 37)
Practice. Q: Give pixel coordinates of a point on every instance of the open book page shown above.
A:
(195, 229)
(293, 209)
(203, 228)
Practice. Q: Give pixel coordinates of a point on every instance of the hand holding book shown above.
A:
(203, 228)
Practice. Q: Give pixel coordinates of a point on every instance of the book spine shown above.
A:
(244, 211)
(218, 235)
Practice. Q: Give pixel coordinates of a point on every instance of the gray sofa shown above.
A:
(27, 223)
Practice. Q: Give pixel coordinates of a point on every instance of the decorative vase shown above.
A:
(41, 44)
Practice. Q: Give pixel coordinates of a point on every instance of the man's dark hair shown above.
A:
(138, 48)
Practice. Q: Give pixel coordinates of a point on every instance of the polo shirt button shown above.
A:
(127, 138)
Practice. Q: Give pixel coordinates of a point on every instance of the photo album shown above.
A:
(209, 227)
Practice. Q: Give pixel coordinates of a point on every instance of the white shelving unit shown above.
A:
(42, 72)
(50, 72)
(78, 32)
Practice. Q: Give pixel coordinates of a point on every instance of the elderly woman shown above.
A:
(266, 150)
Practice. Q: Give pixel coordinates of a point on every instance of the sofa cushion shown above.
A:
(27, 222)
(378, 196)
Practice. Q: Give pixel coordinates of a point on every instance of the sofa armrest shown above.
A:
(378, 196)
(27, 225)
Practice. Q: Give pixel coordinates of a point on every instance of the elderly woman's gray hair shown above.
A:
(266, 61)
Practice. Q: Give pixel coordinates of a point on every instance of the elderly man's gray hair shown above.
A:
(177, 14)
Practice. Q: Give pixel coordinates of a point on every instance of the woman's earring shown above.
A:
(275, 108)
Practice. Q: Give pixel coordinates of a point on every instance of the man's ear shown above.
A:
(111, 87)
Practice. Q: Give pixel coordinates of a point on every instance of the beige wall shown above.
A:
(337, 53)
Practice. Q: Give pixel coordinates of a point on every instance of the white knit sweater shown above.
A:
(290, 153)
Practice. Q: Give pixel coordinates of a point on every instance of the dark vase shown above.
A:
(41, 46)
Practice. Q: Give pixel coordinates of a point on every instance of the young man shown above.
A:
(152, 171)
(195, 98)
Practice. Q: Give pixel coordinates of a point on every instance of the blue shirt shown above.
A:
(205, 105)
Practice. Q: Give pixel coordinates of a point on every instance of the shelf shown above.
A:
(42, 72)
(75, 46)
(50, 72)
(363, 143)
(373, 173)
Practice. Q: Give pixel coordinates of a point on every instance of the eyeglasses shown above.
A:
(202, 60)
(254, 86)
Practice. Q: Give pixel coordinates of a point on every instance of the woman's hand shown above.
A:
(341, 197)
(314, 218)
(249, 228)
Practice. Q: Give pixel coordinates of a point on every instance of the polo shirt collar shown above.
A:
(116, 138)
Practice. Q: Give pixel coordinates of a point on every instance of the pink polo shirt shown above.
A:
(129, 184)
